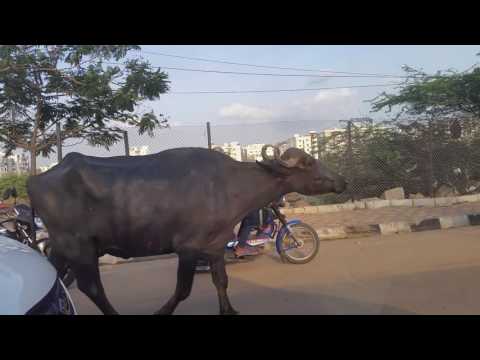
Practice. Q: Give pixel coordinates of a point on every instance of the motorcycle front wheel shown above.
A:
(305, 250)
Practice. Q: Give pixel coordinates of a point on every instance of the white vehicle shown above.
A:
(29, 284)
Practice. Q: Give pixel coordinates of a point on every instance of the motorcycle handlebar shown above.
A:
(279, 215)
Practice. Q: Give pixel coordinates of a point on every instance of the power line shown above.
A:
(279, 90)
(275, 74)
(266, 74)
(262, 66)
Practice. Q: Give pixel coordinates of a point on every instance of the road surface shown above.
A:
(433, 272)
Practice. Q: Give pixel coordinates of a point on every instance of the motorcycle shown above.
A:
(18, 226)
(295, 241)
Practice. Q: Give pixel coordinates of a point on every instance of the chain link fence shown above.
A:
(431, 157)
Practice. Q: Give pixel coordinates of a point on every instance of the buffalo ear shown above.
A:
(274, 167)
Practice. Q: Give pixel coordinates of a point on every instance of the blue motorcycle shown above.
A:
(295, 241)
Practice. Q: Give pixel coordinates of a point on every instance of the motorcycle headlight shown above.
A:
(56, 302)
(39, 223)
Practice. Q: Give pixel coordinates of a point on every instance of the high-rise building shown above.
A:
(254, 151)
(139, 150)
(234, 150)
(308, 143)
(14, 164)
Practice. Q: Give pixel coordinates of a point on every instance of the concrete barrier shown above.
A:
(311, 209)
(328, 209)
(426, 202)
(377, 204)
(346, 206)
(445, 201)
(402, 203)
(359, 205)
(468, 198)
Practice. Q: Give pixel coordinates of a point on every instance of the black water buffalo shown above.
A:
(185, 201)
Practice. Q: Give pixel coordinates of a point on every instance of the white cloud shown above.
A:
(245, 112)
(329, 104)
(333, 95)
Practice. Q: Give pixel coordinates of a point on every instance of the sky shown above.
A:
(309, 105)
(188, 113)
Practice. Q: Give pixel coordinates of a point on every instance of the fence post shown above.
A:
(125, 140)
(59, 143)
(350, 164)
(209, 135)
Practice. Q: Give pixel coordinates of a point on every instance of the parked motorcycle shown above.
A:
(295, 241)
(17, 225)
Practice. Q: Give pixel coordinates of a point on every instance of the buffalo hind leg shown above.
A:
(220, 280)
(185, 275)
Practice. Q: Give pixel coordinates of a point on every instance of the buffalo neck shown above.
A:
(256, 187)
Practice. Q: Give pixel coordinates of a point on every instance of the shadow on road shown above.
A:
(252, 299)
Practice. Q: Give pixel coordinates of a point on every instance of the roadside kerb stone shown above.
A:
(474, 219)
(448, 222)
(427, 224)
(362, 230)
(332, 233)
(395, 228)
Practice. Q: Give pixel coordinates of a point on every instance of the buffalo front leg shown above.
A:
(88, 281)
(83, 260)
(185, 274)
(220, 280)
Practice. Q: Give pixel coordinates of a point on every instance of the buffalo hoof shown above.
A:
(229, 312)
(163, 312)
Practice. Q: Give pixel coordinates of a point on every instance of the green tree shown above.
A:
(17, 181)
(89, 89)
(430, 113)
(443, 94)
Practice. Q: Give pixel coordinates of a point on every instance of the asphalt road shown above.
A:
(433, 272)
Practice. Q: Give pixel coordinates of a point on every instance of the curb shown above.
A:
(437, 223)
(350, 231)
(378, 204)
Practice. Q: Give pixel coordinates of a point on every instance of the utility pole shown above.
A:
(209, 135)
(125, 140)
(350, 165)
(59, 143)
